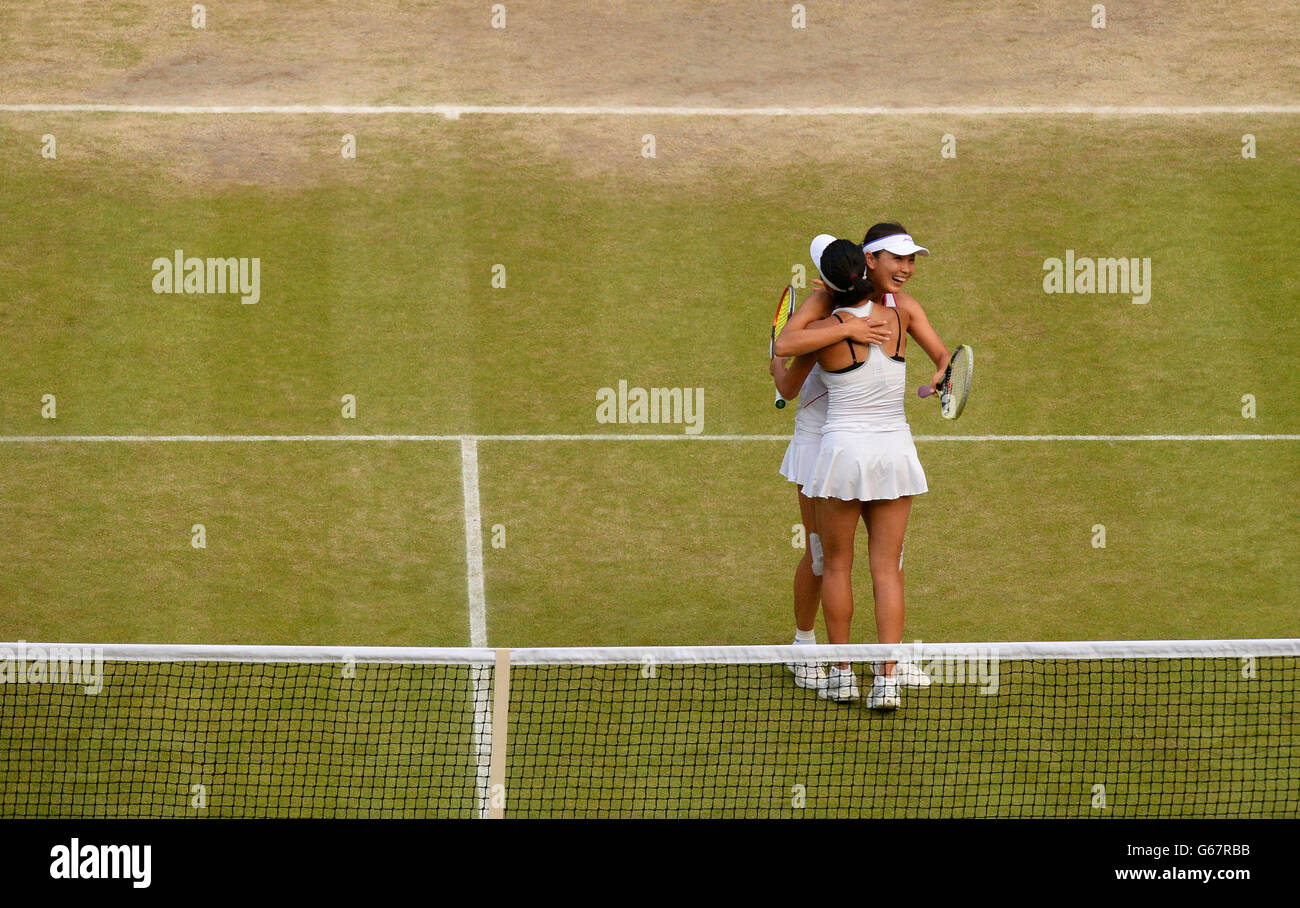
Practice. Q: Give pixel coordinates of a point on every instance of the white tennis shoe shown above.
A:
(907, 674)
(883, 693)
(810, 675)
(840, 686)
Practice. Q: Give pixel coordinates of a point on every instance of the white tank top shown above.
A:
(868, 397)
(811, 415)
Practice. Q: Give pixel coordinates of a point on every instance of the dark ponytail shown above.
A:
(844, 265)
(860, 290)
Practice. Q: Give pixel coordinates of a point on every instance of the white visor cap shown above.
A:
(818, 246)
(897, 243)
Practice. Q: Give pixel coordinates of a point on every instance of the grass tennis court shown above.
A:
(380, 287)
(490, 275)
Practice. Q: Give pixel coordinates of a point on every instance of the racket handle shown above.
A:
(780, 401)
(924, 391)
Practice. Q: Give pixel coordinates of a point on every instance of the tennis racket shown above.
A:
(784, 310)
(955, 387)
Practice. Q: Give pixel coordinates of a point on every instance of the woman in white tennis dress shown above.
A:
(801, 376)
(867, 467)
(866, 451)
(796, 466)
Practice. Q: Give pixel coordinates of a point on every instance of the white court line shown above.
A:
(473, 439)
(480, 679)
(473, 542)
(456, 111)
(480, 676)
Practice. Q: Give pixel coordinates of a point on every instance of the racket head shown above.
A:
(784, 309)
(955, 388)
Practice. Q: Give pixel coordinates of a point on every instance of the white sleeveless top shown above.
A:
(868, 397)
(811, 415)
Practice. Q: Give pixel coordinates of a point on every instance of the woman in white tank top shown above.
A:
(866, 451)
(867, 467)
(801, 376)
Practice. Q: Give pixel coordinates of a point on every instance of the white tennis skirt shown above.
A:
(866, 466)
(801, 457)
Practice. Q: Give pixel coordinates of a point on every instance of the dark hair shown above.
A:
(883, 229)
(845, 265)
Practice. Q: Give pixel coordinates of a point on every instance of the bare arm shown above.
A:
(790, 373)
(839, 356)
(793, 339)
(919, 327)
(808, 331)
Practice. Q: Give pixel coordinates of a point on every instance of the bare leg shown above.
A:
(807, 585)
(837, 522)
(886, 524)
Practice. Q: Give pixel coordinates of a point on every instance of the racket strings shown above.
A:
(957, 383)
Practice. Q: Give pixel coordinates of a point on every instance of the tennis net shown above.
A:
(1127, 729)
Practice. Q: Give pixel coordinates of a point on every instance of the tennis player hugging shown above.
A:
(852, 455)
